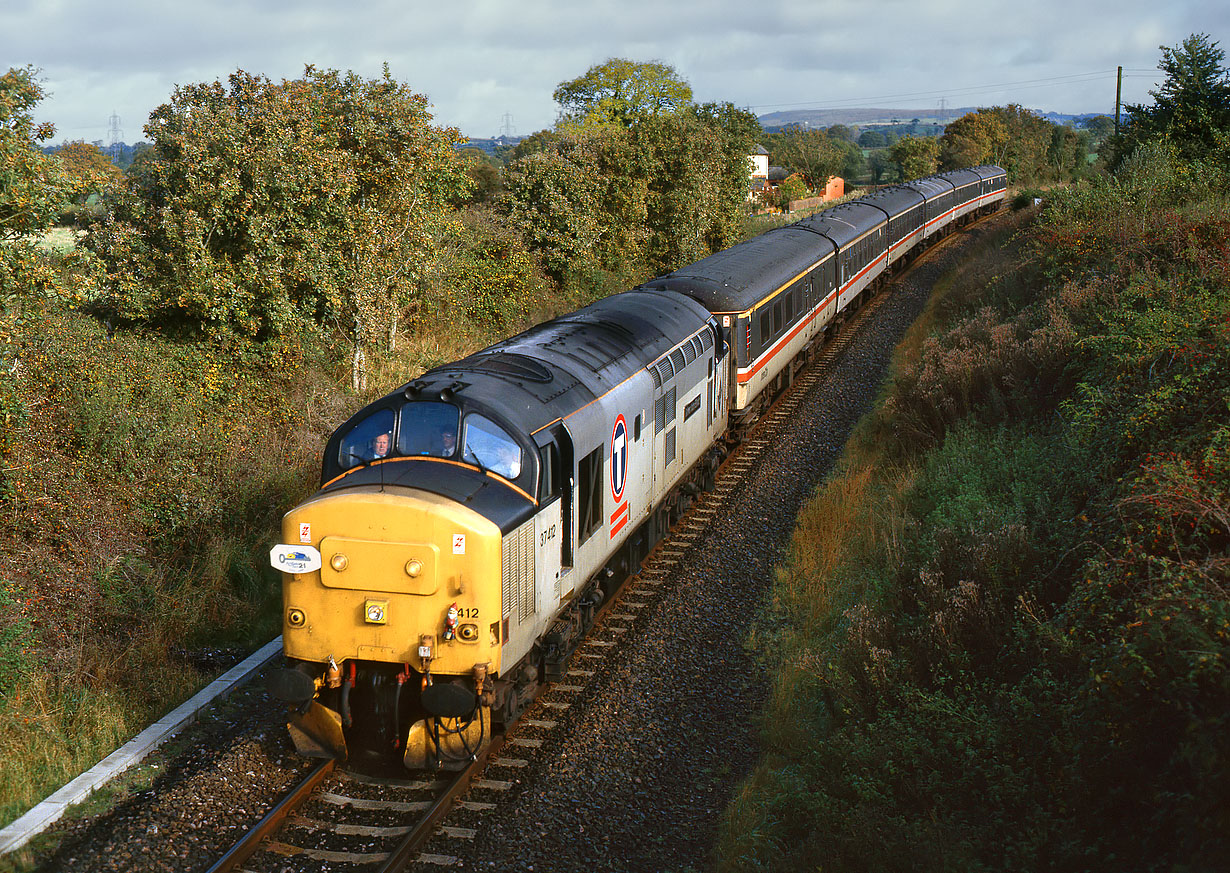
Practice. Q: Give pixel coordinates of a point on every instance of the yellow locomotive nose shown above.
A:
(391, 563)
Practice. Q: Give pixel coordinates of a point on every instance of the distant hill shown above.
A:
(865, 117)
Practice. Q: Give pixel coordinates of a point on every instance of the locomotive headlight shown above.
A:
(295, 617)
(413, 568)
(338, 562)
(468, 632)
(376, 611)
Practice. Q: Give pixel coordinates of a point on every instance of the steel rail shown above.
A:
(404, 853)
(268, 825)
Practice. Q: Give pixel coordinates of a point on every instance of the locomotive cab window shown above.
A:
(369, 440)
(428, 428)
(487, 445)
(548, 472)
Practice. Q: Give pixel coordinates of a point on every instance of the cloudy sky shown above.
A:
(492, 65)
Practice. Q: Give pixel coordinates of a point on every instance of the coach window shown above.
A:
(488, 446)
(777, 318)
(764, 328)
(368, 440)
(428, 427)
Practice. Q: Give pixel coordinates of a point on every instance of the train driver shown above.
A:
(380, 445)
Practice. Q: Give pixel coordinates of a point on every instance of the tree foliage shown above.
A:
(815, 154)
(1191, 106)
(633, 201)
(266, 203)
(87, 169)
(1014, 138)
(620, 92)
(917, 156)
(33, 189)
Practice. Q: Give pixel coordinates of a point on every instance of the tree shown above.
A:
(484, 175)
(841, 132)
(790, 189)
(813, 153)
(87, 169)
(33, 189)
(1099, 127)
(1191, 107)
(872, 139)
(917, 156)
(628, 202)
(620, 91)
(1008, 136)
(266, 203)
(697, 182)
(979, 137)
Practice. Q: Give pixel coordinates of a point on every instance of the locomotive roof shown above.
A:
(560, 366)
(737, 278)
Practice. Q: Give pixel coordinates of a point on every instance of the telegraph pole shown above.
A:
(1118, 94)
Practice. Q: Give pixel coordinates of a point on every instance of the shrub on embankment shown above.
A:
(142, 480)
(1000, 640)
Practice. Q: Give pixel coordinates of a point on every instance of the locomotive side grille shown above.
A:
(689, 352)
(659, 414)
(671, 402)
(669, 449)
(518, 581)
(677, 359)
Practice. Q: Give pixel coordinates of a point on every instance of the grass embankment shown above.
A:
(1000, 639)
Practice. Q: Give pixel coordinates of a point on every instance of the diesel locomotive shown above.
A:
(469, 524)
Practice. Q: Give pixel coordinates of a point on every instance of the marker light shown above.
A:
(376, 611)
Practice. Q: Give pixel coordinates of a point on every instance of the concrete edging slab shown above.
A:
(47, 811)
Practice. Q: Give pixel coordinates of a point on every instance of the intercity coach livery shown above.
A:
(469, 524)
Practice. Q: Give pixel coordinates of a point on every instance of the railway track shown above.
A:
(341, 817)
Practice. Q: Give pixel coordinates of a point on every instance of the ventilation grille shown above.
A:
(669, 450)
(518, 582)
